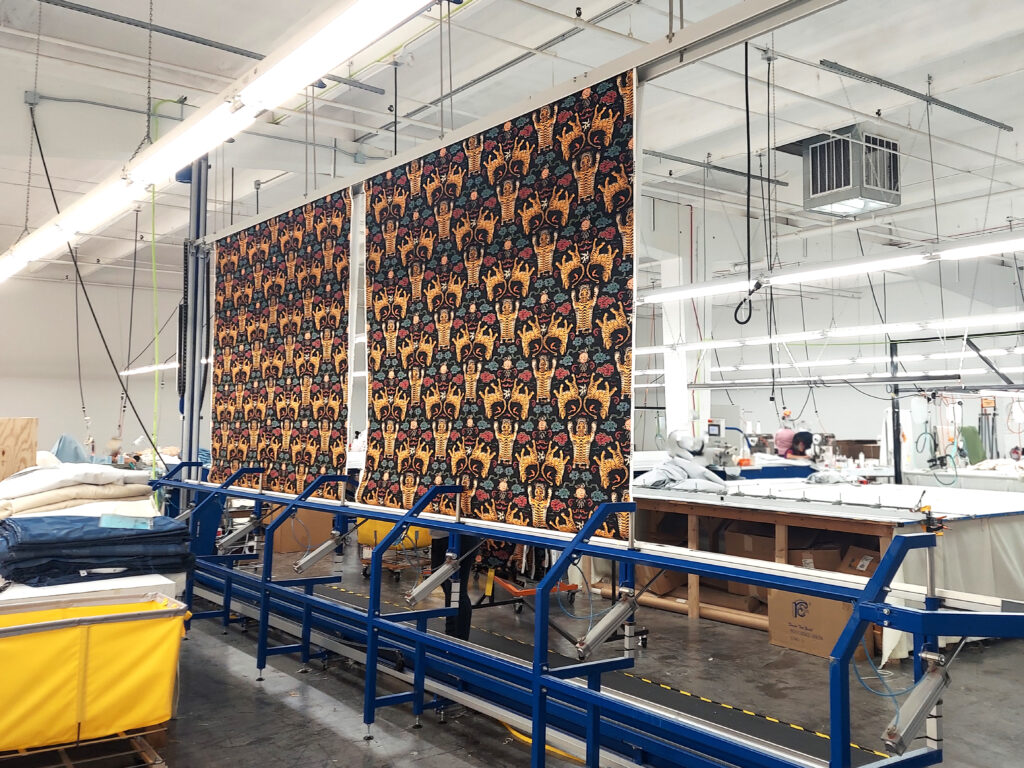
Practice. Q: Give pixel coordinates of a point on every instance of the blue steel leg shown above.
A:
(226, 617)
(261, 632)
(268, 565)
(594, 724)
(307, 620)
(846, 645)
(419, 674)
(202, 527)
(540, 625)
(373, 608)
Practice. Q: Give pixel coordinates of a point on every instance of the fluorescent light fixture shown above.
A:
(832, 271)
(984, 249)
(822, 363)
(149, 369)
(959, 371)
(810, 381)
(953, 324)
(975, 321)
(879, 329)
(966, 354)
(784, 338)
(847, 270)
(640, 351)
(875, 360)
(713, 288)
(334, 39)
(165, 158)
(360, 24)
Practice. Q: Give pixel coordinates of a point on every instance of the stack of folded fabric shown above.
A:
(60, 549)
(42, 489)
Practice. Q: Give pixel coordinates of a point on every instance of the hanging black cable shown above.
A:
(85, 294)
(131, 299)
(131, 322)
(78, 366)
(145, 349)
(736, 315)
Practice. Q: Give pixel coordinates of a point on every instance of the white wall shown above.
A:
(37, 360)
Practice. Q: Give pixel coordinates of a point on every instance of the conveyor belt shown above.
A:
(789, 735)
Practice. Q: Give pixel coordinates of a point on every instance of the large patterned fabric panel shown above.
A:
(280, 373)
(499, 297)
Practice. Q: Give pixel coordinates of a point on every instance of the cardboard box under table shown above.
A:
(74, 670)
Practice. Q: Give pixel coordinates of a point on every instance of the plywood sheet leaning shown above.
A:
(500, 302)
(19, 441)
(280, 371)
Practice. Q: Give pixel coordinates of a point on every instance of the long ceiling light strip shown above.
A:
(872, 378)
(950, 325)
(875, 360)
(326, 44)
(831, 271)
(149, 369)
(823, 381)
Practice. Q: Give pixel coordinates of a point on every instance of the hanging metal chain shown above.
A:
(31, 137)
(148, 137)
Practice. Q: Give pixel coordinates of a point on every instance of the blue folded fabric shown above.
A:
(48, 530)
(45, 572)
(62, 549)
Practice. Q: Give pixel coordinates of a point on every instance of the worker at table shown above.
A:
(783, 441)
(802, 442)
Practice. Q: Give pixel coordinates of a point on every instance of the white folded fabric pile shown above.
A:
(681, 474)
(65, 486)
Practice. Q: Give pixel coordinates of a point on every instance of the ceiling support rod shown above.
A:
(712, 167)
(864, 77)
(188, 37)
(974, 348)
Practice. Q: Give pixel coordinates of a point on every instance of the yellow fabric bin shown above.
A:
(372, 531)
(73, 670)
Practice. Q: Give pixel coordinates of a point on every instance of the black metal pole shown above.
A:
(897, 448)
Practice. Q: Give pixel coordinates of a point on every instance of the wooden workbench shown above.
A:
(882, 522)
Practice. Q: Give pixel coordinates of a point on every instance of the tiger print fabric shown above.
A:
(499, 317)
(280, 373)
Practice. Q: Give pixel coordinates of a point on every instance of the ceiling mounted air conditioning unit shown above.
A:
(850, 172)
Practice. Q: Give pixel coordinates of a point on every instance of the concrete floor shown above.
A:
(227, 718)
